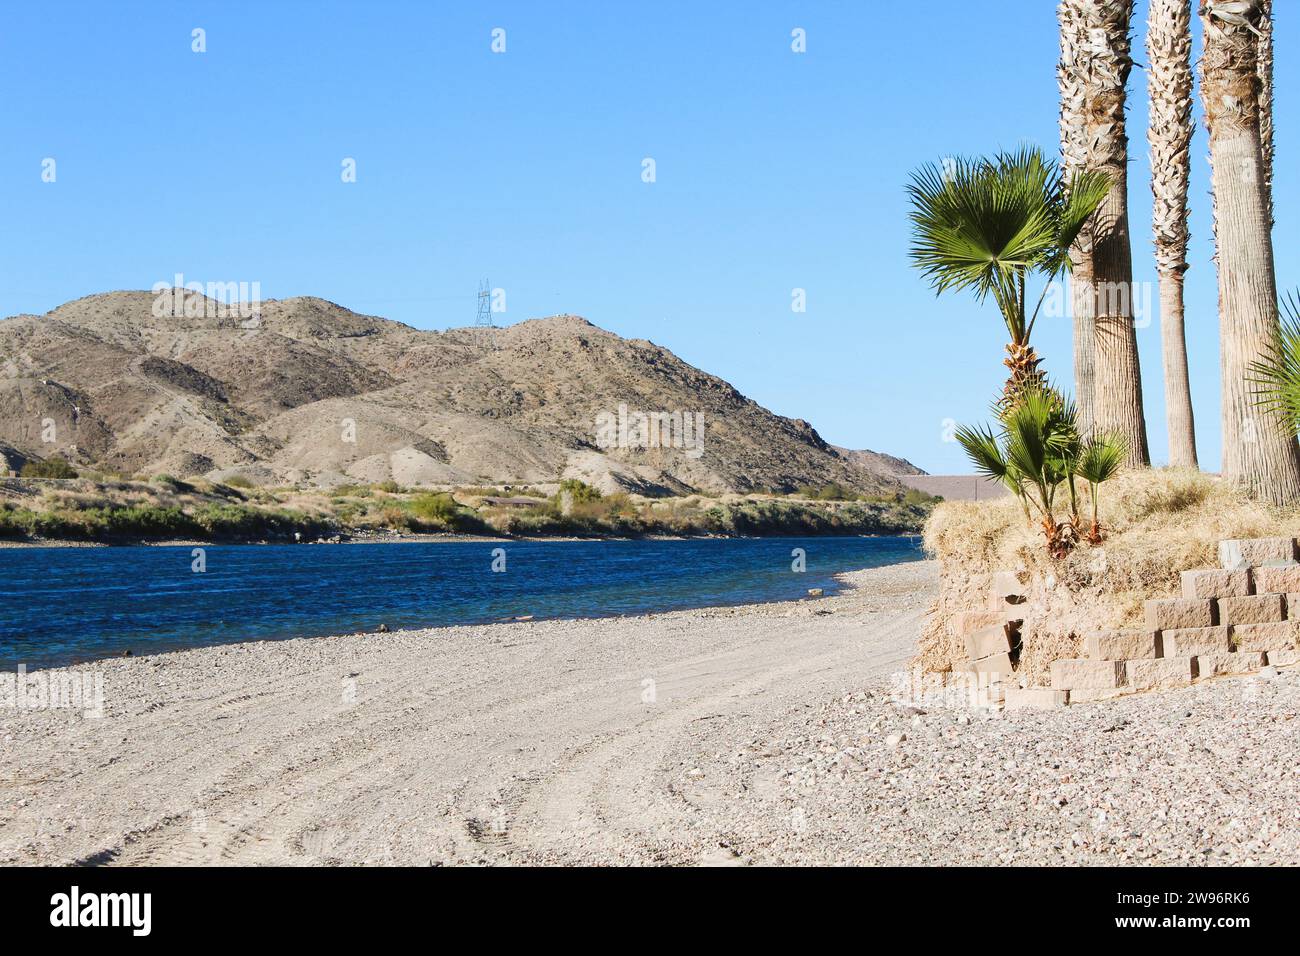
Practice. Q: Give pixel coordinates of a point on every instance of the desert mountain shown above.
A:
(308, 391)
(878, 463)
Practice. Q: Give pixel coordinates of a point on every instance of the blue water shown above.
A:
(61, 605)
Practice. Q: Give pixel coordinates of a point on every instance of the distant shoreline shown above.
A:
(423, 539)
(79, 512)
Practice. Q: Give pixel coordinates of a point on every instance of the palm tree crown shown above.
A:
(986, 224)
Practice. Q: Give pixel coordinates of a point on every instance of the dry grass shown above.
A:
(1158, 523)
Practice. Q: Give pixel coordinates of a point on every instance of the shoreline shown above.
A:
(748, 735)
(844, 582)
(224, 734)
(432, 538)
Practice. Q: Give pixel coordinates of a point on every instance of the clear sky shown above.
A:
(774, 170)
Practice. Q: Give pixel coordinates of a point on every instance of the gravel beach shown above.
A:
(730, 736)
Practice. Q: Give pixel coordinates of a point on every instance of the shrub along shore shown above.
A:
(95, 509)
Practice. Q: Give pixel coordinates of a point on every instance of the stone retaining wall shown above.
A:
(1234, 619)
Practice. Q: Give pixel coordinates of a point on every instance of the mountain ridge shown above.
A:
(303, 390)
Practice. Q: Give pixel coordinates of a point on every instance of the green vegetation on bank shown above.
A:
(217, 522)
(50, 468)
(168, 508)
(835, 492)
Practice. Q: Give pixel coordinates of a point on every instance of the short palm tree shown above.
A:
(1100, 457)
(1037, 451)
(987, 225)
(1033, 455)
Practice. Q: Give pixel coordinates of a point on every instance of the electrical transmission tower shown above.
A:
(483, 320)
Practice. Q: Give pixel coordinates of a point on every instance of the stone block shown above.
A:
(1091, 695)
(1216, 665)
(1036, 698)
(1293, 606)
(1006, 585)
(965, 622)
(995, 664)
(988, 641)
(1190, 641)
(1165, 672)
(1266, 637)
(1005, 591)
(1213, 583)
(1276, 580)
(1087, 675)
(1286, 657)
(1239, 553)
(1256, 609)
(1121, 645)
(1170, 613)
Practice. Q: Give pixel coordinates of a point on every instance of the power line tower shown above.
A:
(483, 320)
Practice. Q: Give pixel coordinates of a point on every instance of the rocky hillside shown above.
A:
(306, 391)
(878, 463)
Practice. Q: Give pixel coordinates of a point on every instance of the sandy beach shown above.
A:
(749, 735)
(569, 737)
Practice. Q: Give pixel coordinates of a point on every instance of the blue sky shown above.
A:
(774, 171)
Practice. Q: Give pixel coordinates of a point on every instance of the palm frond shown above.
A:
(1028, 439)
(982, 225)
(1101, 457)
(985, 224)
(1080, 199)
(1276, 376)
(982, 448)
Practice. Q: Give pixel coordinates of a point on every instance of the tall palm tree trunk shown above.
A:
(1071, 74)
(1257, 452)
(1083, 303)
(1101, 64)
(1179, 417)
(1169, 50)
(1265, 72)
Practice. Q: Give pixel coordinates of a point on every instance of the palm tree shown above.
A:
(1169, 50)
(1096, 50)
(1033, 456)
(1099, 460)
(1072, 72)
(987, 224)
(1037, 451)
(1256, 452)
